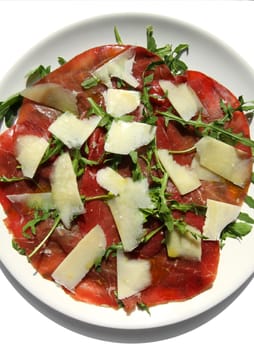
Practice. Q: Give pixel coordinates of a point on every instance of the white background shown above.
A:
(27, 324)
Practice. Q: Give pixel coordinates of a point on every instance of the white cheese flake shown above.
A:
(124, 137)
(81, 259)
(185, 245)
(125, 207)
(202, 172)
(72, 131)
(224, 160)
(111, 180)
(29, 152)
(120, 102)
(52, 95)
(133, 275)
(65, 191)
(183, 98)
(118, 67)
(218, 216)
(184, 178)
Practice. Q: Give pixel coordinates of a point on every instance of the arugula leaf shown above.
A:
(150, 234)
(112, 249)
(79, 162)
(103, 197)
(173, 61)
(171, 57)
(185, 207)
(249, 201)
(113, 160)
(120, 303)
(95, 108)
(158, 196)
(214, 129)
(17, 247)
(246, 218)
(9, 109)
(136, 172)
(120, 83)
(148, 113)
(55, 148)
(37, 74)
(61, 60)
(57, 220)
(39, 216)
(239, 228)
(90, 82)
(236, 230)
(143, 307)
(244, 106)
(12, 179)
(150, 41)
(117, 36)
(148, 79)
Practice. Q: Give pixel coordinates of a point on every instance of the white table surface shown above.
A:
(27, 324)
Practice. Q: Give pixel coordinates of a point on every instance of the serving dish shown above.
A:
(207, 54)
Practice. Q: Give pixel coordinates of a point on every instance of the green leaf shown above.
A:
(148, 79)
(37, 74)
(120, 83)
(214, 129)
(112, 249)
(39, 216)
(236, 230)
(148, 113)
(171, 57)
(173, 61)
(136, 172)
(55, 148)
(117, 36)
(57, 220)
(143, 307)
(61, 60)
(17, 247)
(152, 233)
(9, 109)
(126, 118)
(79, 162)
(158, 196)
(249, 201)
(90, 82)
(95, 108)
(113, 160)
(150, 41)
(102, 197)
(246, 218)
(12, 179)
(185, 207)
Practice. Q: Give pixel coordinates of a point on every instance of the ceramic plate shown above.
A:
(206, 54)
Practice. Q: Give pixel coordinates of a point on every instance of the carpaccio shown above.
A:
(172, 279)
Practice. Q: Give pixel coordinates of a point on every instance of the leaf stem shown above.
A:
(209, 128)
(37, 248)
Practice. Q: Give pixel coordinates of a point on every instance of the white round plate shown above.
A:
(206, 54)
